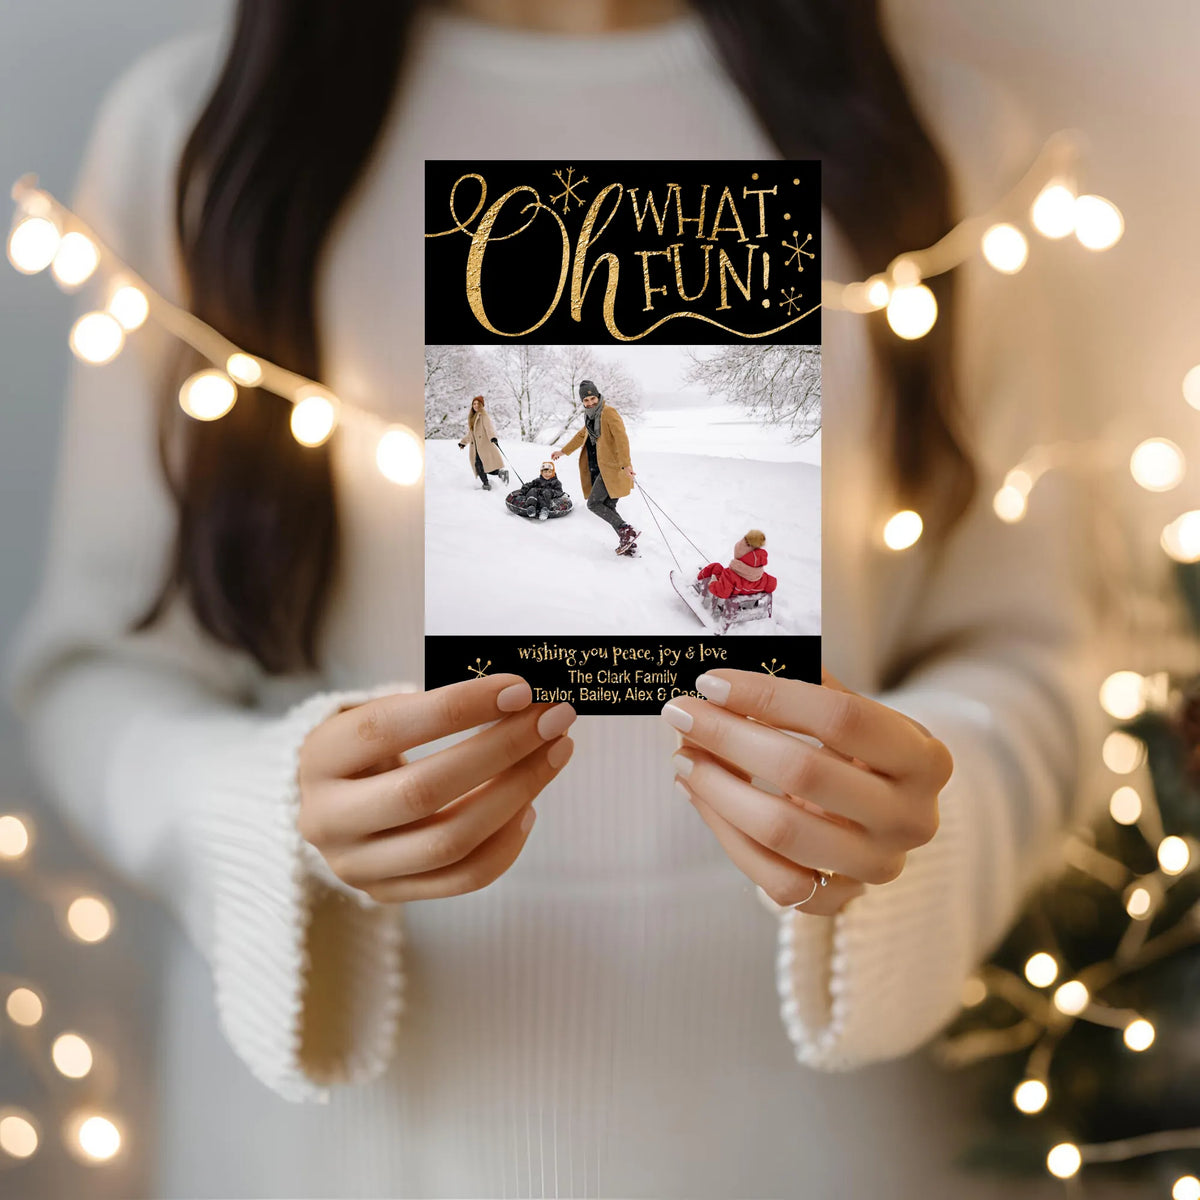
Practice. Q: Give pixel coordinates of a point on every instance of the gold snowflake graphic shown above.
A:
(570, 183)
(798, 252)
(791, 300)
(479, 671)
(772, 669)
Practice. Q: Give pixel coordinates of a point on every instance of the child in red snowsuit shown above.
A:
(745, 572)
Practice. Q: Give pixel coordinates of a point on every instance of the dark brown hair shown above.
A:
(295, 113)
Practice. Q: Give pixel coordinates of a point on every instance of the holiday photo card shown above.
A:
(623, 425)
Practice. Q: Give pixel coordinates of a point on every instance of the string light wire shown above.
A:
(98, 337)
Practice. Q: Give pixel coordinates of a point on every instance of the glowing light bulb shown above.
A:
(1009, 504)
(1181, 538)
(130, 306)
(1064, 1160)
(33, 244)
(1031, 1095)
(14, 837)
(90, 919)
(974, 992)
(1125, 806)
(1187, 1187)
(1139, 1035)
(1157, 465)
(1098, 222)
(1072, 997)
(1138, 902)
(1173, 855)
(75, 260)
(96, 1136)
(912, 311)
(24, 1007)
(1041, 969)
(1019, 480)
(1122, 752)
(878, 294)
(1122, 695)
(1191, 387)
(97, 338)
(906, 273)
(244, 369)
(18, 1136)
(903, 530)
(71, 1055)
(1005, 248)
(854, 298)
(1053, 212)
(208, 395)
(313, 418)
(399, 456)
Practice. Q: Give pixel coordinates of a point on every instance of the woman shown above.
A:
(485, 446)
(611, 1010)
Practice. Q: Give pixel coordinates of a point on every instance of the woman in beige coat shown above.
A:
(485, 448)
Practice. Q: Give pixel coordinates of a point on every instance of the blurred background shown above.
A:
(1124, 323)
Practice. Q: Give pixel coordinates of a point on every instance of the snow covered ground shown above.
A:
(717, 474)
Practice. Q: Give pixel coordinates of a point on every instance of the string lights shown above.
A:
(1047, 198)
(1045, 1017)
(90, 1135)
(46, 233)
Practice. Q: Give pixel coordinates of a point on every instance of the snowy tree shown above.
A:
(523, 380)
(575, 363)
(453, 375)
(777, 385)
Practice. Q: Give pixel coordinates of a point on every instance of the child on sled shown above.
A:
(745, 573)
(541, 497)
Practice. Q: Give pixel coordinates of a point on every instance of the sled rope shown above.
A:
(661, 533)
(649, 501)
(514, 469)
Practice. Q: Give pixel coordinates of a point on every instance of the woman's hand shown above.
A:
(446, 824)
(630, 472)
(853, 805)
(556, 454)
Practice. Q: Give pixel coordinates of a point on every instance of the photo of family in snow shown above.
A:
(692, 456)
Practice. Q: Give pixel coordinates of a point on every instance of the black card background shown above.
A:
(519, 275)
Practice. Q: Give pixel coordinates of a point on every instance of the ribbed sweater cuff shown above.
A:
(265, 885)
(881, 977)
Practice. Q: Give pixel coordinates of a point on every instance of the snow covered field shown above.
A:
(716, 473)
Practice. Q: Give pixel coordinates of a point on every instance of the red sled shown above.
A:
(722, 615)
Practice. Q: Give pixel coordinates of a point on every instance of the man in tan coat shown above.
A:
(604, 468)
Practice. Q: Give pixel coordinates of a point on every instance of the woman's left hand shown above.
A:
(853, 806)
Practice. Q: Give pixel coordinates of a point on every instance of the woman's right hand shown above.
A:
(447, 824)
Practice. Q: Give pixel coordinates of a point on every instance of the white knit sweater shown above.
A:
(618, 1014)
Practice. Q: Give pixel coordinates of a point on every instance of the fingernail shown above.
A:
(528, 819)
(555, 721)
(683, 766)
(712, 688)
(680, 718)
(681, 790)
(558, 753)
(514, 698)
